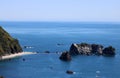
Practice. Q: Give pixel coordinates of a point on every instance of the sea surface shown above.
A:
(58, 37)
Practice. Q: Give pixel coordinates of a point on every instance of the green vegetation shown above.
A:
(8, 45)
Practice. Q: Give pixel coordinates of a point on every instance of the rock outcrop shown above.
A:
(89, 49)
(97, 49)
(65, 56)
(82, 48)
(109, 51)
(8, 45)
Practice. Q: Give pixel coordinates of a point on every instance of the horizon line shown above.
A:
(113, 22)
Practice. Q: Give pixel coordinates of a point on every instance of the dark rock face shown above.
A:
(8, 45)
(65, 56)
(74, 49)
(82, 48)
(97, 49)
(109, 51)
(89, 49)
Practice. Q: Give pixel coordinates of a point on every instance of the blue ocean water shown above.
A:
(44, 36)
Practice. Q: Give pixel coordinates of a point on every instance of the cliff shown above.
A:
(8, 45)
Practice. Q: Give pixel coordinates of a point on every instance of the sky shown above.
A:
(60, 10)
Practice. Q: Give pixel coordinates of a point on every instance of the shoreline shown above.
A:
(16, 55)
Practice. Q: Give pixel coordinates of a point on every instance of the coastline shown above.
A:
(16, 55)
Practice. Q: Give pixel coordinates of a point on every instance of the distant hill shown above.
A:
(8, 45)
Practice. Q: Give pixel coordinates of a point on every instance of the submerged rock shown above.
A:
(23, 59)
(59, 44)
(65, 56)
(47, 52)
(8, 45)
(69, 72)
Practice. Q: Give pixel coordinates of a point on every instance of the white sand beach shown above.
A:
(16, 55)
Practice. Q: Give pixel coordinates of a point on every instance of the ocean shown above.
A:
(45, 36)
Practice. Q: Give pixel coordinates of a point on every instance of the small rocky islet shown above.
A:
(87, 49)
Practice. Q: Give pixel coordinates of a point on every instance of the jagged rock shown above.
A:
(82, 48)
(8, 45)
(89, 49)
(97, 49)
(109, 51)
(65, 56)
(74, 49)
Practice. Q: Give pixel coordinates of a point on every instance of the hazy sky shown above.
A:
(60, 10)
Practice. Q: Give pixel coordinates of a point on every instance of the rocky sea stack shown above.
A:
(90, 49)
(65, 56)
(8, 45)
(87, 49)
